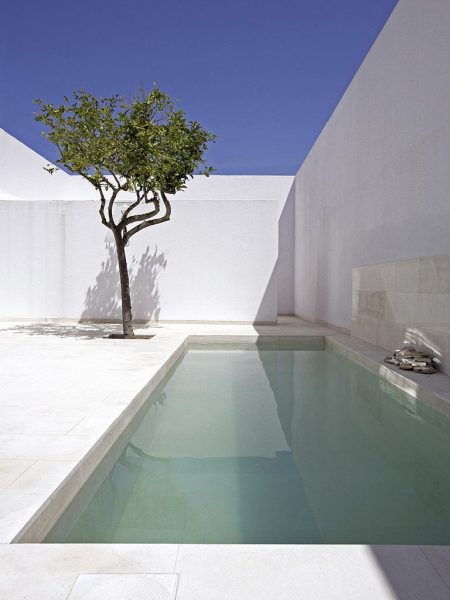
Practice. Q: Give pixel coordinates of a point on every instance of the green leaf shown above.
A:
(143, 143)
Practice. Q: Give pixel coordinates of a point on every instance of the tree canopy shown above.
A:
(144, 145)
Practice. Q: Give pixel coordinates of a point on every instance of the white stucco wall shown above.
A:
(215, 260)
(22, 174)
(376, 185)
(375, 188)
(225, 255)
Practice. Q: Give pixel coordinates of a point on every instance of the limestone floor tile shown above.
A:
(215, 572)
(408, 575)
(45, 424)
(43, 477)
(60, 559)
(44, 447)
(45, 587)
(94, 425)
(11, 469)
(306, 572)
(49, 571)
(15, 511)
(124, 587)
(439, 557)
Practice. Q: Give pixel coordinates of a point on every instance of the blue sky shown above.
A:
(263, 75)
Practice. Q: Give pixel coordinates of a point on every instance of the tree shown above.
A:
(144, 146)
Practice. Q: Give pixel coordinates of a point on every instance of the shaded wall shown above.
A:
(286, 252)
(376, 185)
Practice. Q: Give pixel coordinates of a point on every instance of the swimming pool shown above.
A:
(271, 444)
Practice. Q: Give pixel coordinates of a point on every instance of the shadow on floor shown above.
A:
(85, 331)
(81, 331)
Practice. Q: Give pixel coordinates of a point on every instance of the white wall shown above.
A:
(376, 185)
(22, 177)
(22, 172)
(375, 188)
(215, 260)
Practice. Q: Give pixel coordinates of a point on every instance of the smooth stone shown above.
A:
(405, 351)
(411, 353)
(391, 360)
(427, 370)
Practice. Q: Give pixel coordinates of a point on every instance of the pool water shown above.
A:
(272, 446)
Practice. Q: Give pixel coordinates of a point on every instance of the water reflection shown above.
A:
(374, 463)
(274, 446)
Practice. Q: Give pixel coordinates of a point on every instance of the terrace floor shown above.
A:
(62, 387)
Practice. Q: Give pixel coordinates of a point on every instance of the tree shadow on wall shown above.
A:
(103, 300)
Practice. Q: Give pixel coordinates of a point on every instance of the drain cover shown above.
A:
(124, 587)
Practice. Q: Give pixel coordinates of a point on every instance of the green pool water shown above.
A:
(271, 446)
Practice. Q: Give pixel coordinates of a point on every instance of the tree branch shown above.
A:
(110, 208)
(147, 223)
(86, 176)
(132, 206)
(116, 180)
(102, 207)
(143, 216)
(92, 180)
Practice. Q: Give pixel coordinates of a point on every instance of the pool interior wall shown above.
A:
(275, 442)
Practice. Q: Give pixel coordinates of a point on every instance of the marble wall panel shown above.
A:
(404, 302)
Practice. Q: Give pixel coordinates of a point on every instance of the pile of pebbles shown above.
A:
(410, 359)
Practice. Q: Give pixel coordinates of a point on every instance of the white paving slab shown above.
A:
(11, 469)
(124, 587)
(41, 476)
(309, 572)
(439, 557)
(50, 571)
(220, 572)
(16, 510)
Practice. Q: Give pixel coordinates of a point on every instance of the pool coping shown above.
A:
(36, 528)
(433, 390)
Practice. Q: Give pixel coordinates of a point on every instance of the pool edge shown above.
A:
(362, 353)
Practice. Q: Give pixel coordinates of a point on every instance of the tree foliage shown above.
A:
(145, 146)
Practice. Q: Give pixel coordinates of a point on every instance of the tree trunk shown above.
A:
(127, 317)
